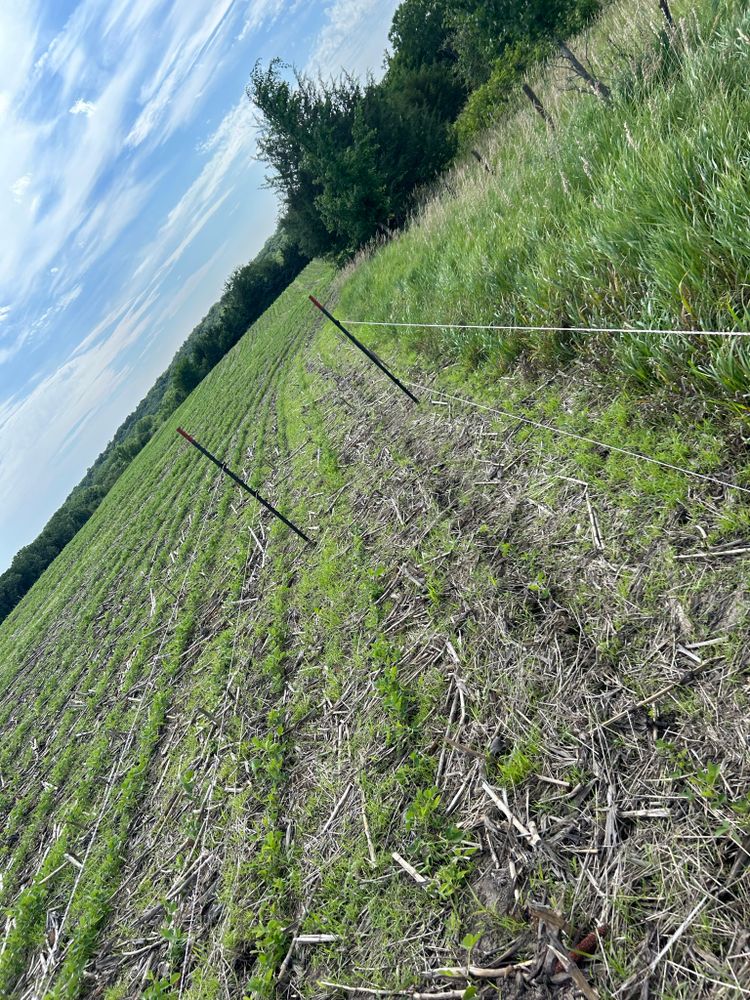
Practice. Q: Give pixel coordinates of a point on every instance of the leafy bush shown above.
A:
(487, 104)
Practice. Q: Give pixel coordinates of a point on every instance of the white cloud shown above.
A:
(189, 286)
(129, 15)
(107, 220)
(56, 175)
(260, 12)
(4, 313)
(82, 107)
(40, 423)
(353, 38)
(31, 330)
(173, 89)
(19, 188)
(67, 55)
(69, 297)
(232, 140)
(69, 164)
(68, 176)
(19, 22)
(6, 353)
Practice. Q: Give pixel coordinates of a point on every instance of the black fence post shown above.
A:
(666, 11)
(244, 485)
(538, 106)
(365, 350)
(600, 89)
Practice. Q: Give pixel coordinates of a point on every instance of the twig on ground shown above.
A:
(502, 804)
(409, 869)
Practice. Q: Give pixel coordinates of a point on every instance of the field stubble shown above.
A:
(387, 758)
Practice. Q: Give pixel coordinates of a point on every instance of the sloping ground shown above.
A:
(499, 711)
(518, 663)
(113, 665)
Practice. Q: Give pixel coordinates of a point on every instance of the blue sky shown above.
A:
(128, 193)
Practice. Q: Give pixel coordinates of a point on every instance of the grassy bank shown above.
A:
(632, 214)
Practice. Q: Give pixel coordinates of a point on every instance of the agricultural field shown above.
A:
(518, 664)
(488, 735)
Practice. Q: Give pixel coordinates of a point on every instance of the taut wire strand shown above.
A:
(520, 328)
(581, 437)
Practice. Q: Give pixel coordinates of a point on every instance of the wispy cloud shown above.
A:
(352, 37)
(19, 188)
(67, 172)
(260, 12)
(232, 140)
(40, 423)
(19, 27)
(186, 65)
(82, 107)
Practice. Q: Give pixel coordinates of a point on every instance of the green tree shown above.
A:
(347, 157)
(301, 122)
(482, 30)
(421, 34)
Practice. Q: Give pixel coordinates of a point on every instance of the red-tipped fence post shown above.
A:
(244, 485)
(365, 350)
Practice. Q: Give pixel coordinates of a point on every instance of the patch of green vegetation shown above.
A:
(568, 238)
(512, 769)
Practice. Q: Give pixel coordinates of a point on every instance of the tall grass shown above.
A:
(634, 214)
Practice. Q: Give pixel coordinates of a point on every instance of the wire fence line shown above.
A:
(522, 328)
(539, 425)
(582, 437)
